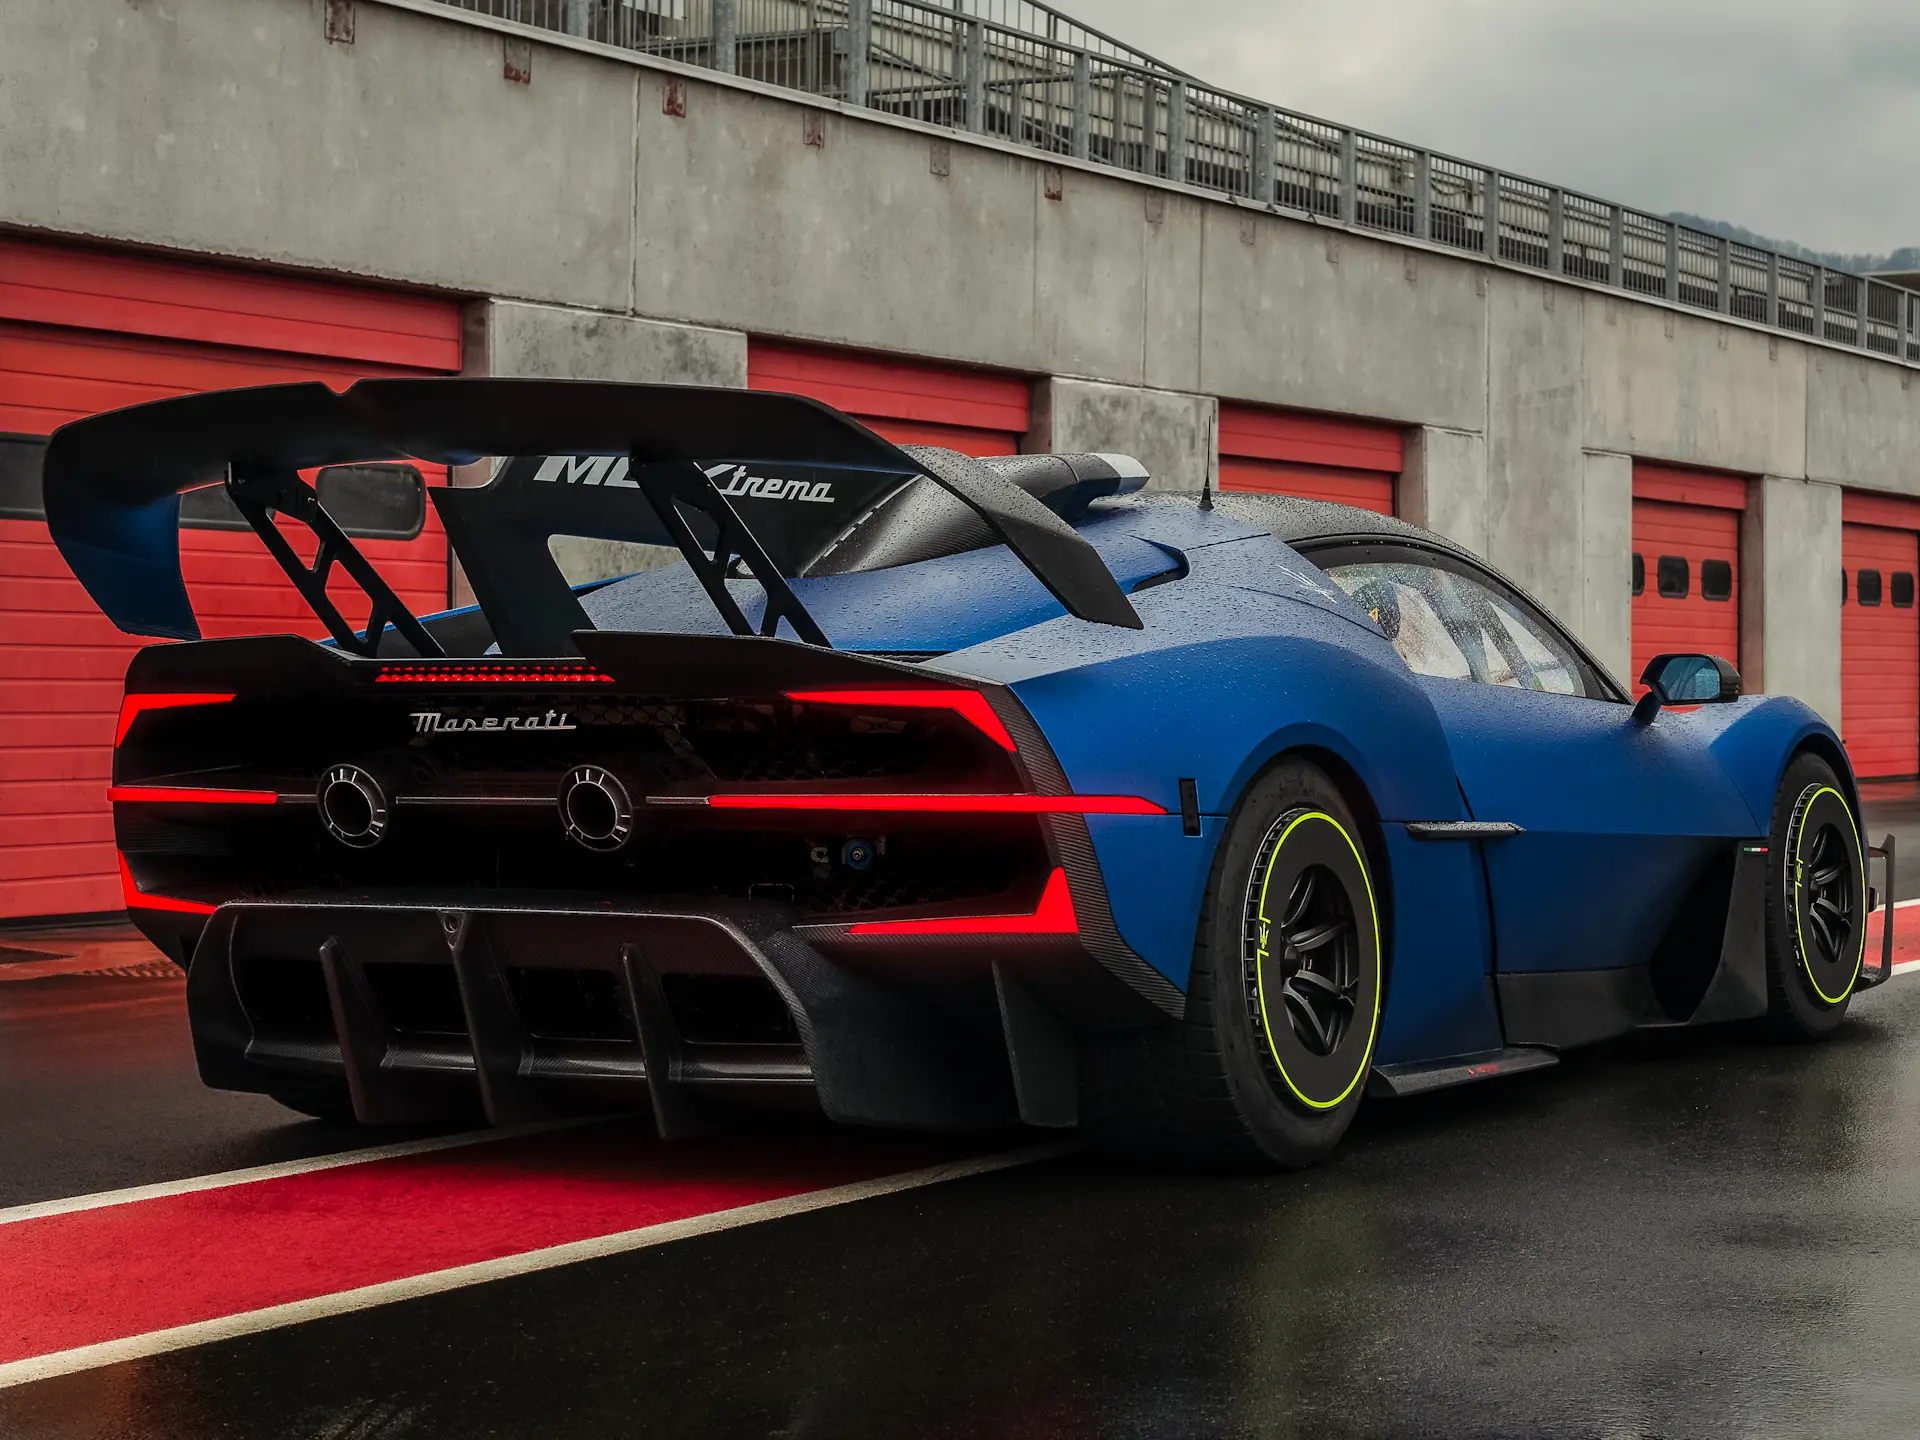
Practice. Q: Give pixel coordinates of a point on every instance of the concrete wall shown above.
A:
(1175, 436)
(613, 238)
(547, 340)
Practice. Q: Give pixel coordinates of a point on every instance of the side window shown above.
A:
(1450, 624)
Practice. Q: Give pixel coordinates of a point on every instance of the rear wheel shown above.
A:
(1267, 1067)
(1816, 902)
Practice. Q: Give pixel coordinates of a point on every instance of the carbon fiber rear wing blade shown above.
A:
(1871, 976)
(798, 473)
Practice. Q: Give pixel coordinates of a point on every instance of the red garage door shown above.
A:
(1317, 457)
(84, 331)
(1880, 636)
(1686, 563)
(911, 402)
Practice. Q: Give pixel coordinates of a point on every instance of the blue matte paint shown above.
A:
(933, 605)
(1250, 654)
(1220, 710)
(1620, 818)
(1156, 879)
(1752, 740)
(129, 560)
(1439, 993)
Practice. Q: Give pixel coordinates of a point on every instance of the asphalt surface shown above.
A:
(1678, 1235)
(1893, 807)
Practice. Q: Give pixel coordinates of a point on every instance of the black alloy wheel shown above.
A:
(1826, 898)
(1310, 959)
(1816, 901)
(1312, 995)
(1269, 1062)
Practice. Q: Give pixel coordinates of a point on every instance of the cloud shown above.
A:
(1793, 120)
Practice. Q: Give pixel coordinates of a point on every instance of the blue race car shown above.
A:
(929, 791)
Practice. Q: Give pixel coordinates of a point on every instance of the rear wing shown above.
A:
(737, 480)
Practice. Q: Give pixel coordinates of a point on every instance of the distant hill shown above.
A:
(1907, 257)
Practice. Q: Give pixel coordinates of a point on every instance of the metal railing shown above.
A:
(1022, 71)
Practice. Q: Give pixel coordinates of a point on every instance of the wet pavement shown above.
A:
(1684, 1234)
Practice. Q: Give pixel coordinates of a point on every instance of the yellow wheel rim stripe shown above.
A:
(1799, 927)
(1260, 955)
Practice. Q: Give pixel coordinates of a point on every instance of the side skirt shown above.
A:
(1417, 1078)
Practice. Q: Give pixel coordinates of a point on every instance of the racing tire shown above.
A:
(321, 1100)
(1816, 902)
(1268, 1065)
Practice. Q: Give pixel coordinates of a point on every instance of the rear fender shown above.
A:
(1220, 712)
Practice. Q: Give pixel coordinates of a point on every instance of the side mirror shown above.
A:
(1685, 680)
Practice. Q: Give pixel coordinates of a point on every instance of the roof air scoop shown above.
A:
(1068, 484)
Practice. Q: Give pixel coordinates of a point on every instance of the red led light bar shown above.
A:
(969, 705)
(946, 804)
(491, 675)
(138, 899)
(132, 707)
(187, 795)
(1052, 916)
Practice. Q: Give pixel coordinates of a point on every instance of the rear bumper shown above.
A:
(431, 1008)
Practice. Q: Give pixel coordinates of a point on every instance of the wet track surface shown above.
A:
(1680, 1235)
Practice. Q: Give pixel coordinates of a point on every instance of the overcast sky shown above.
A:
(1799, 119)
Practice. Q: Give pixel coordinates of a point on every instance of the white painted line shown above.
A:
(1905, 904)
(205, 1332)
(1904, 966)
(104, 1198)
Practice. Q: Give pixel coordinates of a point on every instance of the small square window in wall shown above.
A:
(1903, 590)
(1716, 579)
(1868, 588)
(1673, 577)
(1639, 575)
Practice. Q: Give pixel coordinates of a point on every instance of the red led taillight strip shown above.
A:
(945, 804)
(134, 706)
(138, 899)
(970, 705)
(491, 675)
(188, 795)
(1052, 916)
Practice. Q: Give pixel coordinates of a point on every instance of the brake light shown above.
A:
(945, 804)
(969, 705)
(187, 795)
(132, 707)
(138, 899)
(1052, 916)
(491, 675)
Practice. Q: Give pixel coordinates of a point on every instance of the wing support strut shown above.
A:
(667, 488)
(259, 494)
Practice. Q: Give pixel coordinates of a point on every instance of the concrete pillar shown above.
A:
(565, 344)
(1790, 592)
(510, 338)
(1443, 485)
(1605, 621)
(1173, 434)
